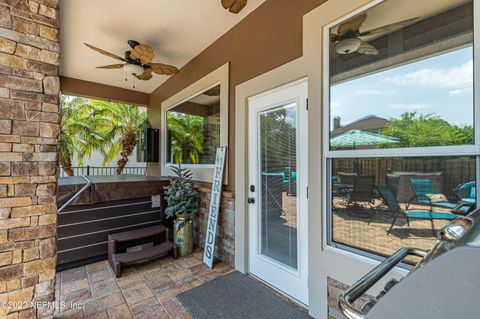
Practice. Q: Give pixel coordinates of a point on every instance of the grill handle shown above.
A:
(346, 300)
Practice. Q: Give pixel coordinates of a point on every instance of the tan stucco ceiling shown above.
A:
(177, 30)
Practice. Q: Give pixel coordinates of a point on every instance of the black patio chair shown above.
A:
(362, 191)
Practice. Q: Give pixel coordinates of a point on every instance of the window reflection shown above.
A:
(278, 156)
(193, 129)
(383, 204)
(415, 89)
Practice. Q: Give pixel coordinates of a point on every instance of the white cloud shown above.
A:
(456, 77)
(457, 92)
(407, 106)
(372, 92)
(334, 105)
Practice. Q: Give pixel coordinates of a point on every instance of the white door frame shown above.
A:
(292, 282)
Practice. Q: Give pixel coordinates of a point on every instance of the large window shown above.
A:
(193, 129)
(382, 204)
(401, 149)
(194, 123)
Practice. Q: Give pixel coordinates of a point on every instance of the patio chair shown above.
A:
(397, 211)
(362, 191)
(290, 178)
(424, 193)
(346, 178)
(466, 192)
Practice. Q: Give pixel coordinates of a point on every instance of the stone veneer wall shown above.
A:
(29, 130)
(225, 242)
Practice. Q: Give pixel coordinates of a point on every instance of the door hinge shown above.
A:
(307, 192)
(307, 104)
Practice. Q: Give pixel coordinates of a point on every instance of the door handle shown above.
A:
(251, 200)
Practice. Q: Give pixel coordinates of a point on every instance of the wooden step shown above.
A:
(136, 234)
(144, 254)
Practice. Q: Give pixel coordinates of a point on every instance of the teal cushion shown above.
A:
(431, 215)
(439, 204)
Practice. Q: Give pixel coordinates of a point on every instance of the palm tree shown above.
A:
(78, 136)
(186, 137)
(119, 125)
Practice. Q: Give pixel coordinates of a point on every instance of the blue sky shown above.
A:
(442, 85)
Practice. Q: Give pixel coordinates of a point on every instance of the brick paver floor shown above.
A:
(144, 291)
(351, 227)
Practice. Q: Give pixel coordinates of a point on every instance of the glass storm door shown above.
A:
(278, 189)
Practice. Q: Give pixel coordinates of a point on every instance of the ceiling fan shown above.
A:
(234, 6)
(349, 39)
(137, 61)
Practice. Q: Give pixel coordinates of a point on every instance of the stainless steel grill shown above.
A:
(444, 284)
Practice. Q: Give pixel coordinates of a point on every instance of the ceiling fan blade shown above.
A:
(146, 75)
(163, 69)
(388, 28)
(234, 6)
(333, 53)
(367, 49)
(215, 91)
(105, 52)
(142, 52)
(334, 37)
(111, 66)
(227, 3)
(353, 24)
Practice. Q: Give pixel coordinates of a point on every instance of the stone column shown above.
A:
(29, 131)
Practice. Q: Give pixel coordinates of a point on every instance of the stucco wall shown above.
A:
(267, 38)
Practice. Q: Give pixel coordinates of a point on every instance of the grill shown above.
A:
(444, 284)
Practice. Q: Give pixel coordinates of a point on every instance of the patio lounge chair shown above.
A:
(393, 205)
(466, 192)
(423, 190)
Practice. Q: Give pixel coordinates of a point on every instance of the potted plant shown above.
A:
(182, 202)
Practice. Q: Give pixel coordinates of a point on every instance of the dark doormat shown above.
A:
(237, 296)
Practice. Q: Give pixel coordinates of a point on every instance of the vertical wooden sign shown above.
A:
(214, 208)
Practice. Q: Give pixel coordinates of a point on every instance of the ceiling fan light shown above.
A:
(348, 46)
(133, 69)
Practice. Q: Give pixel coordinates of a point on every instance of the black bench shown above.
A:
(118, 259)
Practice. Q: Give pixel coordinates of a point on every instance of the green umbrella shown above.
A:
(354, 138)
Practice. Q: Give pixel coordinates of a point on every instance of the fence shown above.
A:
(101, 171)
(455, 170)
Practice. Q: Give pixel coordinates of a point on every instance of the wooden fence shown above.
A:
(454, 171)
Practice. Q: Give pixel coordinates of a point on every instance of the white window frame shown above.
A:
(430, 151)
(220, 76)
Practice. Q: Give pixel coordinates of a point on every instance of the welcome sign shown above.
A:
(214, 208)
